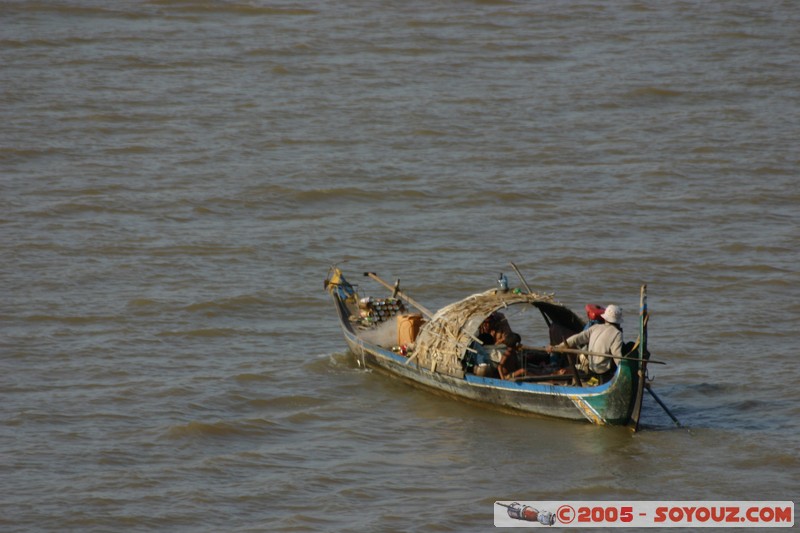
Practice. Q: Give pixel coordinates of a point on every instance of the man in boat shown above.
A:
(605, 338)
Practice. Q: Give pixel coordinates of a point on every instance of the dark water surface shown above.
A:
(177, 176)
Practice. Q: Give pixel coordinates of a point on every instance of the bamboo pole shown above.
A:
(519, 274)
(594, 354)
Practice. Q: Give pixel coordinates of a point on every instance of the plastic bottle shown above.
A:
(502, 282)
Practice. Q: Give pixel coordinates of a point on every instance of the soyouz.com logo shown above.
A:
(694, 514)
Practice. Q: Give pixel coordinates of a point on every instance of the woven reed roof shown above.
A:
(443, 340)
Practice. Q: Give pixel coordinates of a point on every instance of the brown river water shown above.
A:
(176, 176)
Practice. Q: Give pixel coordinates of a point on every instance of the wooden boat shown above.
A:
(431, 350)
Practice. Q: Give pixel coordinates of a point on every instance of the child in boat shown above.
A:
(509, 366)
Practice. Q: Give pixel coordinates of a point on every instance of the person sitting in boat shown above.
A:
(595, 315)
(605, 338)
(509, 366)
(478, 360)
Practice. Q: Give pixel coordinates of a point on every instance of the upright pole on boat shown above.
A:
(643, 354)
(524, 283)
(396, 291)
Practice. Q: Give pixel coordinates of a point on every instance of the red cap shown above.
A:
(594, 311)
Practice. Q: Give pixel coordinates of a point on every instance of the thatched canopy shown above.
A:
(443, 340)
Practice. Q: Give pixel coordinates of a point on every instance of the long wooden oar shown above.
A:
(664, 407)
(594, 354)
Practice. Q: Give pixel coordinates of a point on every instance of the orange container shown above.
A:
(408, 327)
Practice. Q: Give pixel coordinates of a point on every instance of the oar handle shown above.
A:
(559, 349)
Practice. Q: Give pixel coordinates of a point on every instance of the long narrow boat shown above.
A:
(433, 350)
